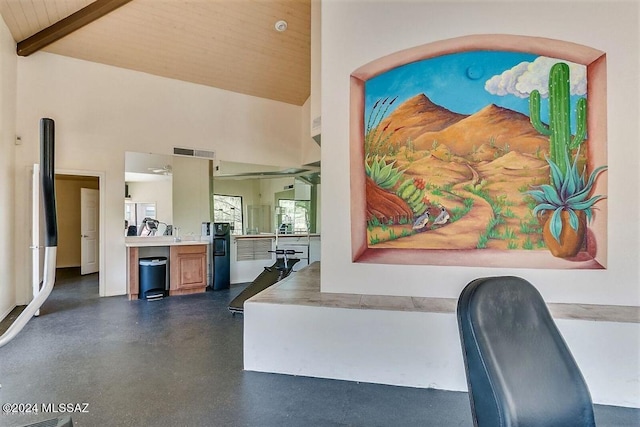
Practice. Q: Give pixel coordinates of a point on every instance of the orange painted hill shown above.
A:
(414, 117)
(494, 126)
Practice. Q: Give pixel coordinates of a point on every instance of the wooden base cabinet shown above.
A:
(188, 269)
(133, 271)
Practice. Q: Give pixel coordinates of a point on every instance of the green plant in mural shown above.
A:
(459, 212)
(528, 244)
(530, 225)
(384, 174)
(412, 191)
(406, 233)
(374, 137)
(561, 142)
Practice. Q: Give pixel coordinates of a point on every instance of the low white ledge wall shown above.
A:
(418, 349)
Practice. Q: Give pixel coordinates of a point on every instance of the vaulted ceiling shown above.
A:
(228, 44)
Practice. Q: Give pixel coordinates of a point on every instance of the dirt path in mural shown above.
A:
(475, 176)
(461, 234)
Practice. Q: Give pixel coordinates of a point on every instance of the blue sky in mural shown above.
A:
(457, 81)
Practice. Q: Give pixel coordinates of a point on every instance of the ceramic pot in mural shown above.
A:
(570, 240)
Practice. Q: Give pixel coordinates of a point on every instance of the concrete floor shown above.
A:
(178, 362)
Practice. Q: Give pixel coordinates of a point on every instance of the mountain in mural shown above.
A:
(494, 126)
(424, 125)
(416, 116)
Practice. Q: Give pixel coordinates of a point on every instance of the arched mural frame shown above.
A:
(594, 252)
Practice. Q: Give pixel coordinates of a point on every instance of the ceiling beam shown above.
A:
(66, 26)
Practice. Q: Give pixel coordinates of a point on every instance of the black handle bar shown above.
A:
(285, 251)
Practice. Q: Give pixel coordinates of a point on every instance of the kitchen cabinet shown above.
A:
(187, 263)
(188, 269)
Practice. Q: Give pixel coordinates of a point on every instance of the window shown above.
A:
(134, 213)
(293, 216)
(228, 209)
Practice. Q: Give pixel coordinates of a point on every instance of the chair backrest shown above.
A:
(132, 230)
(520, 371)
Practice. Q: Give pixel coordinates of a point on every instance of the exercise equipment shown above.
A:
(152, 227)
(270, 275)
(64, 421)
(47, 170)
(519, 370)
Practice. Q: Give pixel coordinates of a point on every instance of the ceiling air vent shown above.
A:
(192, 152)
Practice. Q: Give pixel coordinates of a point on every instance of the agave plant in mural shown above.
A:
(384, 174)
(567, 206)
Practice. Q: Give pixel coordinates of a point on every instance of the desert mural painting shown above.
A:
(480, 150)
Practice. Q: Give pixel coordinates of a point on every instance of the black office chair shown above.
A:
(520, 372)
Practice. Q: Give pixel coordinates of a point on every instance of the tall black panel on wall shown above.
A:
(47, 172)
(221, 262)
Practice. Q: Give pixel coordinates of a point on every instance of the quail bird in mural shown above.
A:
(420, 224)
(442, 218)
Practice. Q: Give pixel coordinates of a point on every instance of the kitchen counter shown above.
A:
(272, 236)
(140, 242)
(186, 266)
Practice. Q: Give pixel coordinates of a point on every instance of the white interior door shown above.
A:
(89, 228)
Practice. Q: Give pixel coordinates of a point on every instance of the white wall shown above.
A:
(315, 109)
(319, 208)
(190, 194)
(103, 111)
(310, 150)
(417, 349)
(7, 171)
(357, 32)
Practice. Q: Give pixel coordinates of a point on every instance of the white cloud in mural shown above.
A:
(505, 83)
(523, 78)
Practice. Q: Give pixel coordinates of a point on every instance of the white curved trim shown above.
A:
(38, 300)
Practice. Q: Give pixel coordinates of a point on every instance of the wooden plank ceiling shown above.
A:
(228, 44)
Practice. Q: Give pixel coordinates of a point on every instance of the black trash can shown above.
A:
(153, 277)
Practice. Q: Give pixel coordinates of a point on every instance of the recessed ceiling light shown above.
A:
(281, 26)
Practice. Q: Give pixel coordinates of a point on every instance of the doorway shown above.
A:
(88, 179)
(78, 198)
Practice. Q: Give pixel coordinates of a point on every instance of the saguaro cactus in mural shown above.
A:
(561, 142)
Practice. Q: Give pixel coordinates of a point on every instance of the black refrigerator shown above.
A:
(220, 254)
